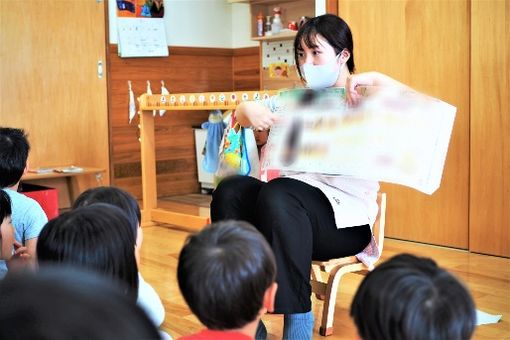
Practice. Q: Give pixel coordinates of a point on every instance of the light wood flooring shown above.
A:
(487, 277)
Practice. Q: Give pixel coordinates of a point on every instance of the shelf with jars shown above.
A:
(274, 24)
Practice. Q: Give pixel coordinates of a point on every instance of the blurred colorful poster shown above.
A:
(393, 136)
(140, 8)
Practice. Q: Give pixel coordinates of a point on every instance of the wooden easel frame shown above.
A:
(177, 102)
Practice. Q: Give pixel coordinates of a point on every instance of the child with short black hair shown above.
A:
(148, 298)
(97, 237)
(61, 303)
(409, 297)
(28, 218)
(226, 273)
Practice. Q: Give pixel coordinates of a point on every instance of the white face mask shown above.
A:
(321, 76)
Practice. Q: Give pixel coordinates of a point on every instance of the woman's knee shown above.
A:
(232, 196)
(277, 196)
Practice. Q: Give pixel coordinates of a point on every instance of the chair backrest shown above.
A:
(380, 220)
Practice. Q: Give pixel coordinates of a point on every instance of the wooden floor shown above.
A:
(487, 277)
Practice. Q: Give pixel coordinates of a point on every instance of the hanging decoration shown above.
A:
(132, 107)
(164, 91)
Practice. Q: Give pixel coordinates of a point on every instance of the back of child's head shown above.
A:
(61, 303)
(409, 297)
(97, 237)
(5, 205)
(224, 272)
(113, 196)
(14, 150)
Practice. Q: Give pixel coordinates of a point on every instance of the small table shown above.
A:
(70, 177)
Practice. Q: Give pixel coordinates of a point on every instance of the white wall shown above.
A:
(200, 23)
(241, 26)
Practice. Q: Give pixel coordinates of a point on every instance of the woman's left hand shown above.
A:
(352, 96)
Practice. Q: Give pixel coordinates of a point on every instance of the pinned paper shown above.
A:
(132, 107)
(164, 91)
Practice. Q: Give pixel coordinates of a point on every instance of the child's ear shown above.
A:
(269, 297)
(27, 166)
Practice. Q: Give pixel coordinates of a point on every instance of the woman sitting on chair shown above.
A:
(306, 216)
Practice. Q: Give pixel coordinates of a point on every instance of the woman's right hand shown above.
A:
(256, 115)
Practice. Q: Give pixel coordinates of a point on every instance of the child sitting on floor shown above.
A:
(408, 298)
(28, 218)
(61, 303)
(148, 299)
(226, 274)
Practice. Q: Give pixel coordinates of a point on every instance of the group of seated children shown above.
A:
(226, 273)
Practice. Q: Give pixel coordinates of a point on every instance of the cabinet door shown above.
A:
(49, 79)
(424, 44)
(489, 213)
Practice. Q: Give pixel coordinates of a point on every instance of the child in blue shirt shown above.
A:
(27, 217)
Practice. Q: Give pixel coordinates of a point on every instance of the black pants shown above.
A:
(298, 222)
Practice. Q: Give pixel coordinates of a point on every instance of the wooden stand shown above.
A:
(151, 213)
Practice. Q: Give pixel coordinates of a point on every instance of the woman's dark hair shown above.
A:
(333, 28)
(97, 237)
(224, 272)
(59, 303)
(14, 148)
(410, 298)
(5, 205)
(113, 196)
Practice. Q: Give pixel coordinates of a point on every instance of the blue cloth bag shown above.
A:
(215, 128)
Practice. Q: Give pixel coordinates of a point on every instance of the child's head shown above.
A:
(6, 230)
(64, 303)
(226, 274)
(14, 150)
(97, 237)
(120, 199)
(408, 297)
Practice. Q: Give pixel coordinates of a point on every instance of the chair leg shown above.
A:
(328, 311)
(325, 332)
(317, 276)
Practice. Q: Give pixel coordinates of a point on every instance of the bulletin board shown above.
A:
(278, 65)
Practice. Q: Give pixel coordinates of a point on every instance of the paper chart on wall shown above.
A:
(393, 136)
(140, 37)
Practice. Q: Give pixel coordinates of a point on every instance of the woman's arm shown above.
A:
(368, 79)
(255, 114)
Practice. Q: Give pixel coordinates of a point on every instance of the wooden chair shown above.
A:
(333, 270)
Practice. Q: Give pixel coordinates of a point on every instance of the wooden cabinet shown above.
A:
(489, 194)
(50, 54)
(400, 39)
(467, 65)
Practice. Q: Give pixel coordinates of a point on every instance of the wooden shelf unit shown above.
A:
(291, 10)
(151, 212)
(284, 35)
